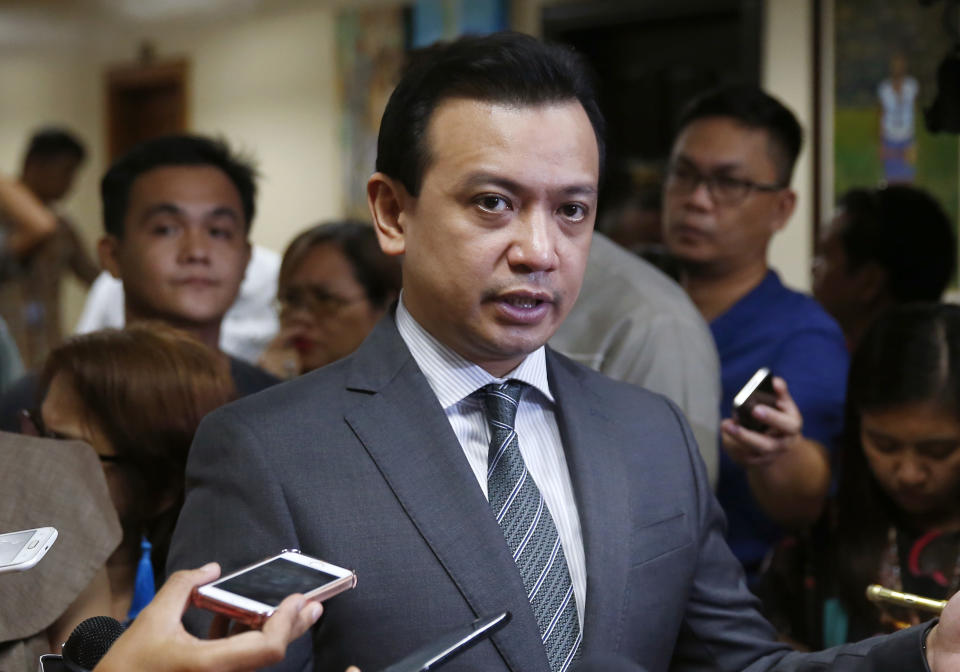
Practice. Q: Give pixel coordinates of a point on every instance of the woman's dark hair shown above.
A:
(377, 273)
(146, 388)
(911, 355)
(906, 232)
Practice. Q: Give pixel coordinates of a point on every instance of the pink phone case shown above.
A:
(254, 619)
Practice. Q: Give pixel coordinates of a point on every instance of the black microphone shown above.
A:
(85, 646)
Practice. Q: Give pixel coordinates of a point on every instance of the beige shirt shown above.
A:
(47, 482)
(635, 324)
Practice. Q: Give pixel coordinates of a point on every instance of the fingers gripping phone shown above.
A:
(252, 594)
(758, 390)
(22, 550)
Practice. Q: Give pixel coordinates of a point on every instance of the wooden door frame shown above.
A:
(144, 76)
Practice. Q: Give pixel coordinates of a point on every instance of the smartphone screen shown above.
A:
(272, 582)
(11, 544)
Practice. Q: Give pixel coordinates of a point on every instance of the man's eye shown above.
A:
(221, 232)
(727, 182)
(492, 203)
(162, 230)
(573, 212)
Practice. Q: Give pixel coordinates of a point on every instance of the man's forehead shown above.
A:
(460, 124)
(723, 140)
(191, 182)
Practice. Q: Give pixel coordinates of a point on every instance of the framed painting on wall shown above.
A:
(885, 59)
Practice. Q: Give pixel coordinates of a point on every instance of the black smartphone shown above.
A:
(758, 390)
(434, 654)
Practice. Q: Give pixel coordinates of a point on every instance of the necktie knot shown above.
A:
(501, 401)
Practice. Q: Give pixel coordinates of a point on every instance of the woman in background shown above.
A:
(335, 284)
(137, 397)
(896, 516)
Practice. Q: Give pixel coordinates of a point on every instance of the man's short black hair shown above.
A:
(174, 150)
(504, 68)
(752, 108)
(51, 142)
(904, 230)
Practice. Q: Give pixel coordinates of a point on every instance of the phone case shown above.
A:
(43, 545)
(255, 619)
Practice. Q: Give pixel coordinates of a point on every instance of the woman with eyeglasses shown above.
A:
(334, 285)
(136, 396)
(895, 519)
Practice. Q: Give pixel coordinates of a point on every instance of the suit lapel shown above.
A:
(399, 421)
(601, 488)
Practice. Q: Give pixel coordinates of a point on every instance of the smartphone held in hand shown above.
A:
(758, 390)
(23, 549)
(252, 594)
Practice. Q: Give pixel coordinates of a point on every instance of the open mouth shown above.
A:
(523, 302)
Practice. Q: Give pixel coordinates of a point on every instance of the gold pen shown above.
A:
(877, 593)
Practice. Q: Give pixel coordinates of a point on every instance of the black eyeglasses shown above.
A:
(314, 299)
(723, 189)
(31, 424)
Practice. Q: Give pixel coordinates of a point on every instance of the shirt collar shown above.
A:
(452, 377)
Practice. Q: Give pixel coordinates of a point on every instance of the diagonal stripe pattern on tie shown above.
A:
(529, 529)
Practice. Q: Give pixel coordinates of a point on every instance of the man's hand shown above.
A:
(157, 641)
(789, 475)
(943, 642)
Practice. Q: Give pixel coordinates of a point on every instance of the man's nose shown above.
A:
(700, 195)
(534, 245)
(194, 245)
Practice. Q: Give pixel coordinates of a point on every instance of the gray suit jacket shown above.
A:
(358, 465)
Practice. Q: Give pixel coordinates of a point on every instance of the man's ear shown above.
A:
(389, 201)
(108, 249)
(784, 207)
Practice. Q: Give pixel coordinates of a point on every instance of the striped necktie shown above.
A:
(529, 529)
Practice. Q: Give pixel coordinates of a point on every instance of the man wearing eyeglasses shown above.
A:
(727, 193)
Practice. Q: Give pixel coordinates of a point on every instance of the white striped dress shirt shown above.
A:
(455, 380)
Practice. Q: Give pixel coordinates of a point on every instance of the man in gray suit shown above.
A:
(596, 527)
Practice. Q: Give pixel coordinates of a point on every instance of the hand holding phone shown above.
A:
(22, 550)
(766, 422)
(252, 594)
(758, 390)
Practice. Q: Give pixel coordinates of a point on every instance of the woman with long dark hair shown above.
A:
(895, 519)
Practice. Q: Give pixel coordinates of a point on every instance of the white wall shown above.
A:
(267, 83)
(788, 75)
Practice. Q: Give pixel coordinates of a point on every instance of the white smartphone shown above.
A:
(22, 550)
(252, 594)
